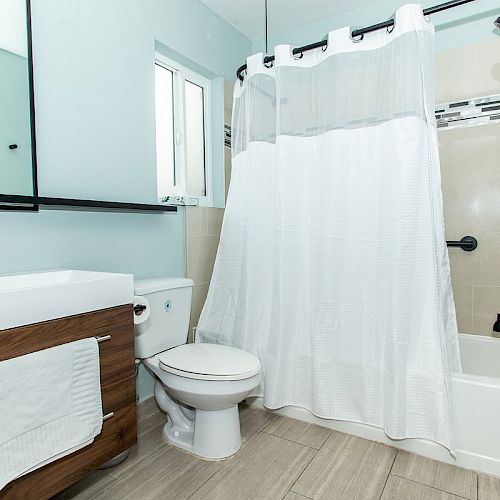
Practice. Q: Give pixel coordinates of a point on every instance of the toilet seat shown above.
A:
(209, 362)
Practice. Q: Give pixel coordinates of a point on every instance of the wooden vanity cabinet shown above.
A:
(119, 432)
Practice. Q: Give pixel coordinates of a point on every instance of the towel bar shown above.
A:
(103, 338)
(108, 415)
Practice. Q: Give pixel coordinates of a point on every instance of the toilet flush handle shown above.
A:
(139, 309)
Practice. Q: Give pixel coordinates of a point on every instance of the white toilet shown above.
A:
(199, 386)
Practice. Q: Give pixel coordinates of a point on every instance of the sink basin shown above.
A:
(33, 297)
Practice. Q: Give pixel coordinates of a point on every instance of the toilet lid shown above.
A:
(209, 362)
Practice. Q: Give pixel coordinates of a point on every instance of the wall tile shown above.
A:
(486, 299)
(214, 221)
(193, 256)
(471, 206)
(207, 259)
(481, 77)
(458, 209)
(194, 221)
(470, 153)
(486, 306)
(199, 296)
(485, 264)
(201, 252)
(461, 265)
(462, 295)
(482, 324)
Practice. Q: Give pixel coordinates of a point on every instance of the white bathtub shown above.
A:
(476, 412)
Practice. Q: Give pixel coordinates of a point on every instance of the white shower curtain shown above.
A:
(332, 266)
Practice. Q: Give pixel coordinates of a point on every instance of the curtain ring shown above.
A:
(300, 56)
(390, 29)
(267, 64)
(325, 47)
(242, 80)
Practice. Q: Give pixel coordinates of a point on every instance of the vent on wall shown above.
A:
(477, 111)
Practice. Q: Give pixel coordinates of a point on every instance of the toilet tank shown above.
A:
(169, 300)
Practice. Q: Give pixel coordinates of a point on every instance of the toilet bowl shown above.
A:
(212, 379)
(198, 386)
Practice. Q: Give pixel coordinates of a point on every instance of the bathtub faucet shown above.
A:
(496, 324)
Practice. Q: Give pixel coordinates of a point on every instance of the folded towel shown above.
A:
(50, 406)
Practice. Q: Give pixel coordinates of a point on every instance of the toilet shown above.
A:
(199, 386)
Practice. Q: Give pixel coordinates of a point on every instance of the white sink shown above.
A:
(33, 297)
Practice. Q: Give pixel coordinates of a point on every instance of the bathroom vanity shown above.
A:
(114, 325)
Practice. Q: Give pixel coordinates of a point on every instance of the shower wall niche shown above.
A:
(470, 170)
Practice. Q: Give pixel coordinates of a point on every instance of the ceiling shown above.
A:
(247, 16)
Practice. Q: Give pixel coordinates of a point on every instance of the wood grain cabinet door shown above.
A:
(117, 365)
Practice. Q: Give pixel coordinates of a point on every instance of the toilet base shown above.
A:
(215, 434)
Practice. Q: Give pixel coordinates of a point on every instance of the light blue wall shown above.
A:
(95, 125)
(470, 23)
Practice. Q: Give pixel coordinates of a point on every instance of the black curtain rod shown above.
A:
(359, 33)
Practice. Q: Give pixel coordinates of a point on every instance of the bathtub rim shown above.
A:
(483, 379)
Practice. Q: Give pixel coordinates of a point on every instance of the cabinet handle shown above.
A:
(108, 415)
(103, 338)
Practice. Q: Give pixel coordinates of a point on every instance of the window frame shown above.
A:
(180, 75)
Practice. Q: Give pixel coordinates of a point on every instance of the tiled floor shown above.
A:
(284, 459)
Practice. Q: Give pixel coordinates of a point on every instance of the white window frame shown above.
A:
(180, 75)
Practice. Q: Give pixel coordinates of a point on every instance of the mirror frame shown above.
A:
(31, 81)
(33, 202)
(31, 85)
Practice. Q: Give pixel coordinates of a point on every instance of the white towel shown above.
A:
(50, 406)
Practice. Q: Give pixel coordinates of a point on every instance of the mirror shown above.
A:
(17, 158)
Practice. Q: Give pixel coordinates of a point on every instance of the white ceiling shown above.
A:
(247, 16)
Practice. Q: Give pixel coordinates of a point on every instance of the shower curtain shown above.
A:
(332, 266)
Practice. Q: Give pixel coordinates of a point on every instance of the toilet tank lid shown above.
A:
(151, 285)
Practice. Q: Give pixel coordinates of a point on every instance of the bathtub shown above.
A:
(476, 412)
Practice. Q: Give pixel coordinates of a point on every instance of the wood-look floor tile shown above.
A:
(158, 419)
(295, 496)
(446, 477)
(489, 487)
(91, 485)
(346, 467)
(399, 488)
(298, 431)
(169, 474)
(265, 469)
(252, 421)
(146, 409)
(149, 443)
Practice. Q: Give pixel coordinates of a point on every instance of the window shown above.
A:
(182, 108)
